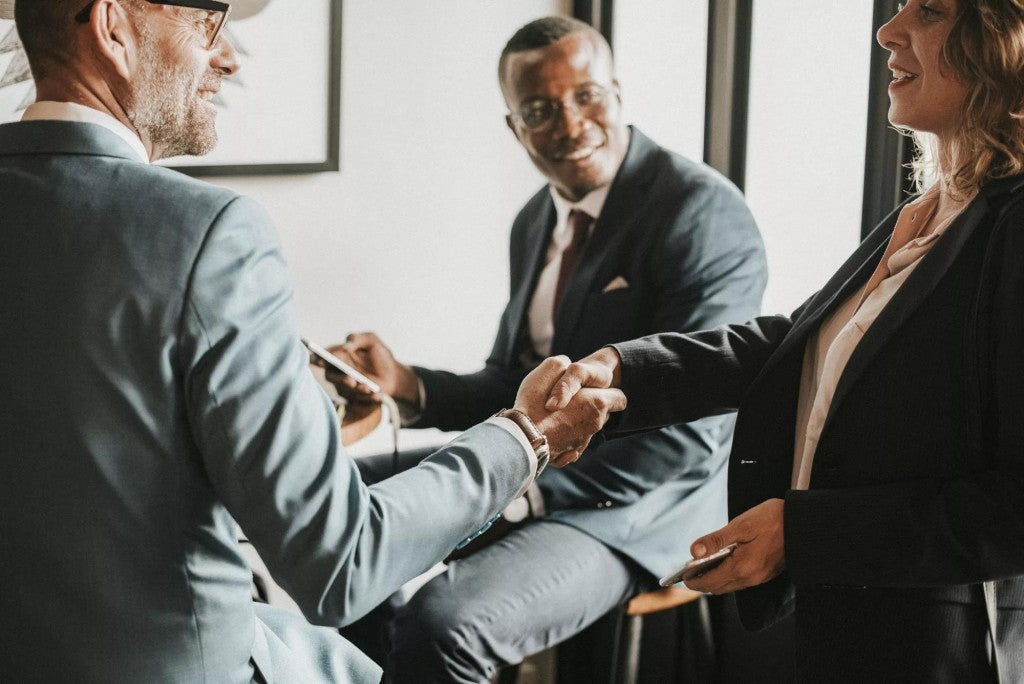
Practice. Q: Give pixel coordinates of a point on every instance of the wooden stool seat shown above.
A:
(626, 660)
(661, 599)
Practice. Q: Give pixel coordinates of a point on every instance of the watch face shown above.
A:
(543, 456)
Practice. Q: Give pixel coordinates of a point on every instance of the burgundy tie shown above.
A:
(580, 223)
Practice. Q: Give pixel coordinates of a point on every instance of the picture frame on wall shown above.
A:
(279, 114)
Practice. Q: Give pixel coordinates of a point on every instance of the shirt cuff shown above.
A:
(409, 414)
(510, 427)
(536, 499)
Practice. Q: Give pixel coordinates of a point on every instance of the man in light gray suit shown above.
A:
(155, 391)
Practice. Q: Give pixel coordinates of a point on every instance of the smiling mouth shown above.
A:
(578, 155)
(900, 76)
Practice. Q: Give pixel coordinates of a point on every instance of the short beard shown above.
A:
(165, 105)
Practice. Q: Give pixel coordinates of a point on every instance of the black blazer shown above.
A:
(917, 493)
(683, 239)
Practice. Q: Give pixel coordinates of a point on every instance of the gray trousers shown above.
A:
(541, 584)
(532, 589)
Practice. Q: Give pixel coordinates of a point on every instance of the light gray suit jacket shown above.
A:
(154, 392)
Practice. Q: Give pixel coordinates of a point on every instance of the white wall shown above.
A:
(410, 239)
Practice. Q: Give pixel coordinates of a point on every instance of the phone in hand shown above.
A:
(339, 365)
(695, 567)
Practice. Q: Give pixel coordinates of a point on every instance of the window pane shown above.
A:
(660, 54)
(810, 67)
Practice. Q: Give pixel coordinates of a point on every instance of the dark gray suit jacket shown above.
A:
(154, 391)
(684, 240)
(917, 494)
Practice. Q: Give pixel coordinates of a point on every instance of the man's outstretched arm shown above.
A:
(270, 443)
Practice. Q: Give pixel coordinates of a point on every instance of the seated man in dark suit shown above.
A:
(626, 239)
(155, 391)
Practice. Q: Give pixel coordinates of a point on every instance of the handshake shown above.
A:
(566, 411)
(569, 402)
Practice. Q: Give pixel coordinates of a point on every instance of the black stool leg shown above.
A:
(626, 663)
(697, 642)
(509, 674)
(707, 635)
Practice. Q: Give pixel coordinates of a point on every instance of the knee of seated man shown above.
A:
(441, 615)
(437, 637)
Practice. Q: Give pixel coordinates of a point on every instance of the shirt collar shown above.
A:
(70, 111)
(591, 204)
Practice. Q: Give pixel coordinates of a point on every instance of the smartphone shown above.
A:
(339, 365)
(695, 567)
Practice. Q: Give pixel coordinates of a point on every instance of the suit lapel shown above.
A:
(538, 237)
(620, 213)
(921, 282)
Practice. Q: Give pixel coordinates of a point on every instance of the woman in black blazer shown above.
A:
(877, 472)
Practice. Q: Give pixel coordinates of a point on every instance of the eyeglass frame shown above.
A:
(210, 5)
(559, 105)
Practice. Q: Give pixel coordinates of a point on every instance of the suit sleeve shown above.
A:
(455, 402)
(706, 268)
(673, 377)
(964, 529)
(271, 445)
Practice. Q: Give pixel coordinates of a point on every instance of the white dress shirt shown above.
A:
(71, 111)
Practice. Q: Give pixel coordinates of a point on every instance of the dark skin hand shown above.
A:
(361, 416)
(600, 369)
(759, 555)
(757, 533)
(366, 353)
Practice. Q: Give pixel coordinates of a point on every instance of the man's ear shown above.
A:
(114, 36)
(617, 89)
(516, 130)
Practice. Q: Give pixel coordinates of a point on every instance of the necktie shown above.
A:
(580, 223)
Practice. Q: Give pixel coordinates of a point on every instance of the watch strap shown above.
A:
(533, 434)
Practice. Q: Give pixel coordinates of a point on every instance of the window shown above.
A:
(809, 74)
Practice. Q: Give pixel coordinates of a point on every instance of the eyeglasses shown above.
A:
(217, 15)
(540, 113)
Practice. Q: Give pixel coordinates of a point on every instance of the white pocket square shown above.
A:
(618, 283)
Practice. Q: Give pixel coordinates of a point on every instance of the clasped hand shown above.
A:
(599, 370)
(757, 533)
(568, 426)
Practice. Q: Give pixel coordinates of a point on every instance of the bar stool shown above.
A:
(626, 656)
(629, 628)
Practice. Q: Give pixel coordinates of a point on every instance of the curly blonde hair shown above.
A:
(985, 48)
